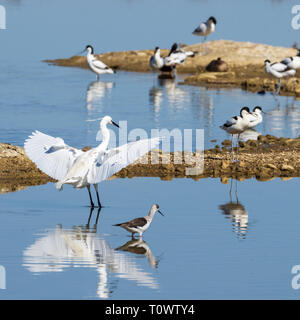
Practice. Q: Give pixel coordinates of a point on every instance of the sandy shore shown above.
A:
(267, 158)
(245, 61)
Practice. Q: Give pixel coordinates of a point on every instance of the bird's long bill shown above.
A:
(160, 213)
(79, 53)
(115, 124)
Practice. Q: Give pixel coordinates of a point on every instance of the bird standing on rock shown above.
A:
(237, 125)
(206, 28)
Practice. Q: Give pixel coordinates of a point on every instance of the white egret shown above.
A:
(82, 169)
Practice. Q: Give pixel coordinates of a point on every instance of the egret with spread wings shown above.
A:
(82, 169)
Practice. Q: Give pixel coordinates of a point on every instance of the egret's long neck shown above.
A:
(105, 135)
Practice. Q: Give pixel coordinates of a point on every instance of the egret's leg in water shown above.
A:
(89, 190)
(98, 198)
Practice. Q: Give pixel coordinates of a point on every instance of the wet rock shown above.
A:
(226, 142)
(286, 167)
(271, 166)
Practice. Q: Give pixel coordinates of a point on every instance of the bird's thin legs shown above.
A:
(97, 217)
(91, 200)
(91, 211)
(278, 87)
(98, 213)
(98, 198)
(204, 48)
(237, 148)
(232, 157)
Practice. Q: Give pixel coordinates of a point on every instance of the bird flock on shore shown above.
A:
(82, 168)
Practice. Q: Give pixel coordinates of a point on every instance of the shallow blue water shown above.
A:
(46, 247)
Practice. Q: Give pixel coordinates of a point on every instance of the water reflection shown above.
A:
(140, 247)
(81, 246)
(250, 134)
(95, 93)
(236, 213)
(282, 118)
(169, 90)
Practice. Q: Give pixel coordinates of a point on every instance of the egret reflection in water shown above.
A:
(81, 246)
(236, 213)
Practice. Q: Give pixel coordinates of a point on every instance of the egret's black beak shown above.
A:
(115, 124)
(160, 213)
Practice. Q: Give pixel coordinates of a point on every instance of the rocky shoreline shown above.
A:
(264, 159)
(245, 62)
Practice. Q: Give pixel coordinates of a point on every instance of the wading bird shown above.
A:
(178, 55)
(255, 117)
(82, 169)
(237, 125)
(94, 63)
(157, 62)
(205, 28)
(140, 225)
(292, 62)
(278, 70)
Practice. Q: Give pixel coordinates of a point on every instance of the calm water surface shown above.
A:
(236, 240)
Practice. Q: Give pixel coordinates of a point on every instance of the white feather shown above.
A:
(51, 155)
(116, 159)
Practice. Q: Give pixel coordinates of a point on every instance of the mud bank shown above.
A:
(264, 159)
(244, 59)
(17, 171)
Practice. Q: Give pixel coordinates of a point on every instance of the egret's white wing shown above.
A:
(116, 159)
(51, 155)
